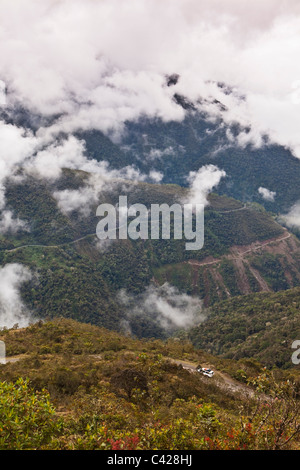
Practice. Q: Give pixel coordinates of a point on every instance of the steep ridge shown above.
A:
(176, 148)
(262, 266)
(245, 251)
(262, 326)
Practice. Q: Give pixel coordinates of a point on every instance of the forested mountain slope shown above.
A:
(262, 326)
(177, 148)
(245, 250)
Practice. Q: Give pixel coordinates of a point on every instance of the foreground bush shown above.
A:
(26, 417)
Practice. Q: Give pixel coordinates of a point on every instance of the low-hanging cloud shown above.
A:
(2, 93)
(101, 178)
(202, 182)
(97, 64)
(20, 148)
(12, 308)
(267, 194)
(100, 63)
(9, 223)
(16, 145)
(292, 218)
(166, 305)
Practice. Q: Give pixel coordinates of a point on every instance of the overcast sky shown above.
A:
(97, 63)
(103, 61)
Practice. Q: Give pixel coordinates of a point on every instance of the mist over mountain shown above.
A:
(100, 97)
(105, 82)
(149, 226)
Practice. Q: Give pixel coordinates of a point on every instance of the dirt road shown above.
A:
(221, 379)
(238, 252)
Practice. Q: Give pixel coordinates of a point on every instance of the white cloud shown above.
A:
(102, 178)
(19, 148)
(100, 63)
(292, 218)
(156, 176)
(2, 93)
(97, 64)
(70, 200)
(49, 162)
(16, 145)
(12, 309)
(202, 182)
(266, 194)
(165, 304)
(158, 153)
(10, 224)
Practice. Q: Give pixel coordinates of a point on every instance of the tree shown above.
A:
(26, 417)
(275, 420)
(128, 380)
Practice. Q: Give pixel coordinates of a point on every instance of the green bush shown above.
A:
(26, 417)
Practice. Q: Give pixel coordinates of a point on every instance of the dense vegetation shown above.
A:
(83, 385)
(262, 326)
(176, 148)
(62, 267)
(77, 386)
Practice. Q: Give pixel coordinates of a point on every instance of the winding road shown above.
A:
(239, 253)
(222, 380)
(50, 246)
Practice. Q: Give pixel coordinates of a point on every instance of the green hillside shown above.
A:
(74, 386)
(262, 326)
(74, 279)
(176, 148)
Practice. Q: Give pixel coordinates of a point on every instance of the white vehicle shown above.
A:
(205, 371)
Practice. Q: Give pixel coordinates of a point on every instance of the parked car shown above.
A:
(205, 371)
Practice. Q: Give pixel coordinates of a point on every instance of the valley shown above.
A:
(149, 226)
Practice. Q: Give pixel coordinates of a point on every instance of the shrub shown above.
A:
(26, 417)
